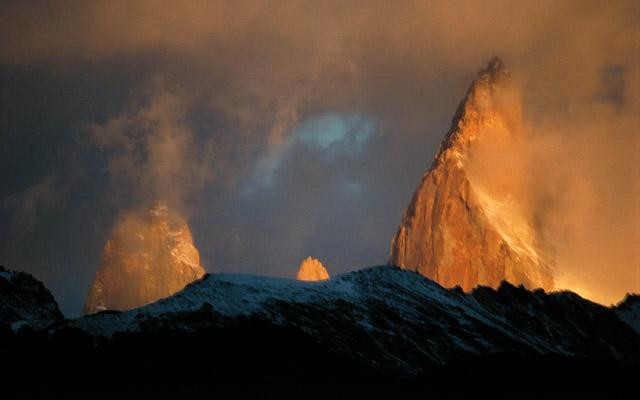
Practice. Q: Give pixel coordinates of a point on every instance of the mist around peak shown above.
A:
(149, 256)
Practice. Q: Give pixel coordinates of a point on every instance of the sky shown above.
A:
(289, 129)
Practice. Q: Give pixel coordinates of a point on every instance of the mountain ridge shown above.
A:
(456, 229)
(486, 321)
(376, 330)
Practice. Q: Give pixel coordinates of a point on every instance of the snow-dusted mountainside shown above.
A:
(464, 225)
(26, 302)
(393, 319)
(378, 331)
(150, 256)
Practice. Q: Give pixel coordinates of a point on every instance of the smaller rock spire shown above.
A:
(150, 255)
(311, 269)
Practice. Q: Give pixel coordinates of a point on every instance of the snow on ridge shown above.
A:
(234, 295)
(359, 299)
(237, 294)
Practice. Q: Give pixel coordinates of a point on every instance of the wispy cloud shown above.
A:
(26, 206)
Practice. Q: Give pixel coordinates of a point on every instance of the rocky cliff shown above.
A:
(463, 225)
(150, 256)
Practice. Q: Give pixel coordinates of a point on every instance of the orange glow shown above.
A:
(311, 269)
(150, 256)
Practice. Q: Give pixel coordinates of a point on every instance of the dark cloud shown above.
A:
(202, 103)
(25, 205)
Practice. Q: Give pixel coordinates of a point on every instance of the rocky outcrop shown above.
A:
(26, 302)
(628, 310)
(311, 269)
(458, 228)
(150, 256)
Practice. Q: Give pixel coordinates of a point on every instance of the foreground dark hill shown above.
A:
(377, 329)
(25, 302)
(395, 321)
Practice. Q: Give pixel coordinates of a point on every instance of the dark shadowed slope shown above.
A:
(396, 320)
(25, 302)
(380, 330)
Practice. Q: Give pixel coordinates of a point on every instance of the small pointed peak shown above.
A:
(495, 64)
(495, 70)
(311, 269)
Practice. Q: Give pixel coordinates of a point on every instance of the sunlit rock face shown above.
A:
(311, 269)
(466, 224)
(150, 256)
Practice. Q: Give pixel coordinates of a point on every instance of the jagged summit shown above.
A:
(311, 269)
(496, 64)
(458, 229)
(495, 67)
(481, 107)
(495, 74)
(150, 256)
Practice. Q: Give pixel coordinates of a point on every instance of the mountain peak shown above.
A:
(311, 269)
(496, 63)
(491, 101)
(495, 73)
(456, 229)
(150, 255)
(496, 66)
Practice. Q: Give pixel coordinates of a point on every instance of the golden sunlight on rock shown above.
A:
(466, 226)
(150, 256)
(311, 269)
